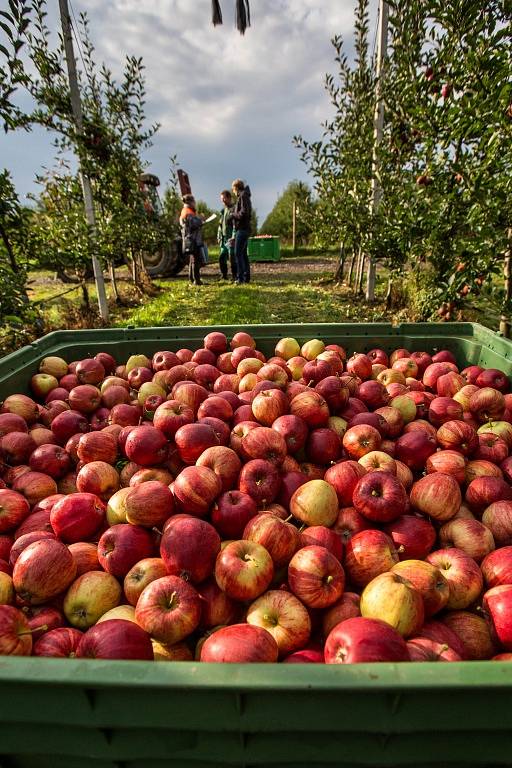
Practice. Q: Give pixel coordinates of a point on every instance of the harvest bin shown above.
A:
(263, 248)
(61, 713)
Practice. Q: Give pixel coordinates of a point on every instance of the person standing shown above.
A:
(242, 224)
(192, 238)
(225, 236)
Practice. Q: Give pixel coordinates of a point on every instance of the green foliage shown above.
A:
(340, 162)
(110, 149)
(445, 160)
(279, 222)
(14, 21)
(15, 246)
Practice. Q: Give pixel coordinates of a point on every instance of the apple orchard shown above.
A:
(219, 505)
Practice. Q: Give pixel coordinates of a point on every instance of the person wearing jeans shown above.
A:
(242, 223)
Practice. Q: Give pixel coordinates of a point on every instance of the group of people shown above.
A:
(232, 234)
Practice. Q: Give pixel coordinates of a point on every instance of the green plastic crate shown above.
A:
(97, 714)
(263, 248)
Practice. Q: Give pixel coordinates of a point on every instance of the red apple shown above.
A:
(232, 512)
(497, 517)
(280, 539)
(344, 477)
(470, 536)
(193, 439)
(58, 643)
(448, 462)
(115, 639)
(15, 634)
(168, 609)
(43, 570)
(14, 509)
(260, 479)
(483, 491)
(244, 570)
(380, 497)
(497, 567)
(146, 445)
(414, 448)
(195, 489)
(462, 574)
(473, 632)
(123, 545)
(316, 576)
(368, 554)
(361, 640)
(424, 649)
(240, 643)
(414, 536)
(189, 548)
(436, 495)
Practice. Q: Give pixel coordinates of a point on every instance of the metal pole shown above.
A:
(377, 135)
(86, 184)
(294, 225)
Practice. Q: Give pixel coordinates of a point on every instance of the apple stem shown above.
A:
(302, 527)
(290, 517)
(43, 627)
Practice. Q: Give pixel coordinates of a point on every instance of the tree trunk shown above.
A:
(85, 295)
(338, 275)
(113, 282)
(507, 272)
(8, 248)
(360, 274)
(389, 292)
(351, 269)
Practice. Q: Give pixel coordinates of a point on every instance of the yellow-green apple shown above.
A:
(116, 506)
(315, 503)
(393, 599)
(284, 616)
(126, 612)
(90, 596)
(7, 593)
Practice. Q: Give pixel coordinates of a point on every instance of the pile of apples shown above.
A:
(220, 506)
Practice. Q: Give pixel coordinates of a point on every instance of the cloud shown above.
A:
(228, 105)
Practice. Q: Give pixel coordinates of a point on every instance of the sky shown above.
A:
(228, 105)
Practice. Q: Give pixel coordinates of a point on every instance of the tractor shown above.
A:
(169, 259)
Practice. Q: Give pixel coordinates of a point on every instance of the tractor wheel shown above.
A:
(166, 261)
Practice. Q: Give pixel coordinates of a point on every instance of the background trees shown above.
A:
(279, 222)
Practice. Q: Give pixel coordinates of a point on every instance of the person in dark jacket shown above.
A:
(225, 236)
(242, 224)
(192, 238)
